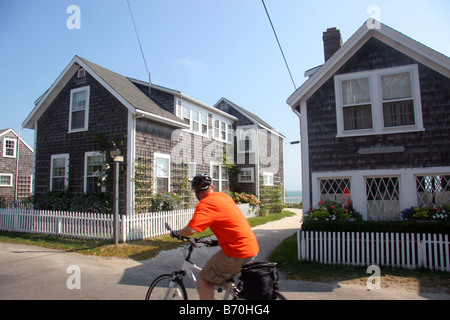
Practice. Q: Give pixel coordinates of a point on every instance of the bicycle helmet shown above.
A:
(201, 182)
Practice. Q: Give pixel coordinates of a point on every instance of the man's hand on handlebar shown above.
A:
(175, 235)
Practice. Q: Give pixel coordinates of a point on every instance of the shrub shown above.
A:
(91, 202)
(65, 201)
(166, 201)
(376, 226)
(272, 198)
(333, 211)
(244, 198)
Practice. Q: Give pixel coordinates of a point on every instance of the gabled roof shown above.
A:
(410, 47)
(253, 117)
(119, 86)
(10, 130)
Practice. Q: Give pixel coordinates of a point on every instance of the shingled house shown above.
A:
(16, 166)
(375, 123)
(164, 135)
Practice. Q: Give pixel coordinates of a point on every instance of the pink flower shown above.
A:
(332, 207)
(320, 203)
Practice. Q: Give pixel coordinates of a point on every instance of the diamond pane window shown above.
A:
(335, 190)
(383, 194)
(433, 190)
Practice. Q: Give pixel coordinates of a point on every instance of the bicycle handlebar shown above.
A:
(194, 241)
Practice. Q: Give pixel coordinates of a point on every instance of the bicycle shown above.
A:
(170, 286)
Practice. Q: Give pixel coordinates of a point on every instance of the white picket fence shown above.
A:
(97, 226)
(404, 250)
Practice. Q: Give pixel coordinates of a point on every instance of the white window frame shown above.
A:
(11, 177)
(268, 179)
(225, 129)
(64, 156)
(5, 148)
(163, 156)
(86, 156)
(249, 172)
(192, 170)
(221, 179)
(187, 114)
(87, 89)
(376, 101)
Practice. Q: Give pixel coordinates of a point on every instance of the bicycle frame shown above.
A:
(191, 270)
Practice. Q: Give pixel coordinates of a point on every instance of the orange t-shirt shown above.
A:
(219, 212)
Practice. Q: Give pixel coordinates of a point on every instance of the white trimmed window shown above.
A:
(79, 109)
(9, 148)
(6, 180)
(219, 175)
(268, 178)
(94, 171)
(59, 172)
(378, 101)
(162, 176)
(247, 175)
(223, 131)
(195, 117)
(192, 170)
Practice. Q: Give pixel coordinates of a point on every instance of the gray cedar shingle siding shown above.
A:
(8, 166)
(422, 149)
(106, 115)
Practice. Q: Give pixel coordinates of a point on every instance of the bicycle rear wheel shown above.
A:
(164, 288)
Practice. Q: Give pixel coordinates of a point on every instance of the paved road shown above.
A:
(31, 272)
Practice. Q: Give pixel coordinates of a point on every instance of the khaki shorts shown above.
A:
(220, 268)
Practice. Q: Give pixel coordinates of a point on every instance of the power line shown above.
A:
(279, 45)
(140, 45)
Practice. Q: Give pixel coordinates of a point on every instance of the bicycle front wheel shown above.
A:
(278, 296)
(164, 288)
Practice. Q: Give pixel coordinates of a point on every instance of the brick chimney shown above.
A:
(332, 41)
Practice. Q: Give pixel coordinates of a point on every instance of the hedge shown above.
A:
(377, 226)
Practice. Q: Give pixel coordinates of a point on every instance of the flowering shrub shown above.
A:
(244, 198)
(166, 201)
(333, 211)
(432, 213)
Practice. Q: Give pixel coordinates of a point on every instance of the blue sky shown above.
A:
(207, 49)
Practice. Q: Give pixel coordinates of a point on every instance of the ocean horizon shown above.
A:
(294, 196)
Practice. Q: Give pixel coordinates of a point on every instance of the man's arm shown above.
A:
(186, 232)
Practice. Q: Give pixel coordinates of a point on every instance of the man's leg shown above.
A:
(206, 290)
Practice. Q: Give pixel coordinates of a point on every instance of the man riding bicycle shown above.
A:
(236, 238)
